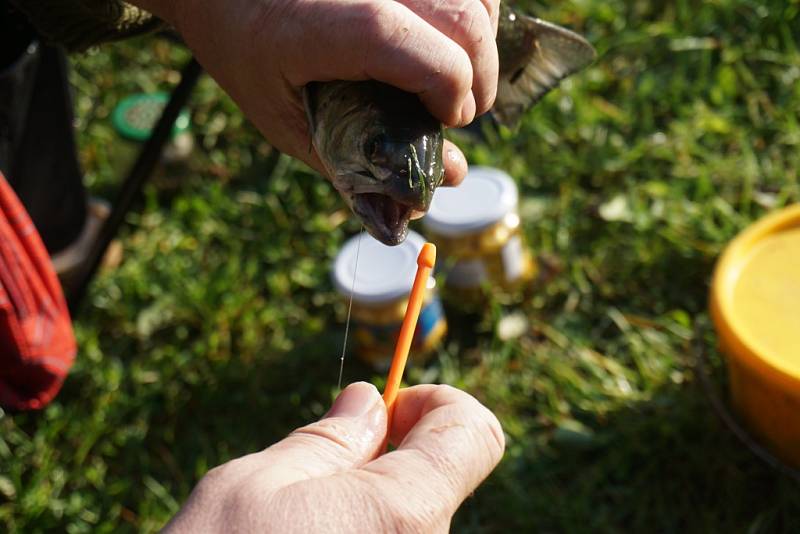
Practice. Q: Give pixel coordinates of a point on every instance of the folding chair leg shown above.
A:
(140, 172)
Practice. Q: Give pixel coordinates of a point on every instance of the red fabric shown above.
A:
(37, 346)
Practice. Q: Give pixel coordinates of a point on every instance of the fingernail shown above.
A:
(356, 400)
(468, 109)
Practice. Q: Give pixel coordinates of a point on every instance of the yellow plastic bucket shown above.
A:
(755, 306)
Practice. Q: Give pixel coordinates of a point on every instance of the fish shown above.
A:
(381, 147)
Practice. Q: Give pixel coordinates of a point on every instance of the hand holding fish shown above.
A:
(264, 52)
(384, 151)
(361, 89)
(327, 477)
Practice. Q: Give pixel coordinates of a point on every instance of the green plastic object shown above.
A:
(136, 115)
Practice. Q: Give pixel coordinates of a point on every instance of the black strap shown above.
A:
(16, 33)
(139, 174)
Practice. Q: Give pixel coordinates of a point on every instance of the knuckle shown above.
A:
(327, 435)
(464, 19)
(379, 21)
(384, 31)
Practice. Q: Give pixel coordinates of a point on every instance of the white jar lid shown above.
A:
(384, 273)
(484, 198)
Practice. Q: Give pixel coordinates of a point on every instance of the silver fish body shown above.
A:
(383, 149)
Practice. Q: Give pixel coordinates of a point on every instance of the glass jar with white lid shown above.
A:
(476, 227)
(383, 279)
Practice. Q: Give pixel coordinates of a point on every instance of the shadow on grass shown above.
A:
(637, 469)
(665, 464)
(246, 407)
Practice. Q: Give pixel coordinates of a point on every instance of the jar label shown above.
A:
(376, 342)
(513, 262)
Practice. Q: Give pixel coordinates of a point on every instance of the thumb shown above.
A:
(455, 164)
(348, 436)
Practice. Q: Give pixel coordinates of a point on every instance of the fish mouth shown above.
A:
(385, 218)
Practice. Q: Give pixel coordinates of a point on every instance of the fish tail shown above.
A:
(542, 55)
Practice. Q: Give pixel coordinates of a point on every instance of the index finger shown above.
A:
(469, 23)
(384, 41)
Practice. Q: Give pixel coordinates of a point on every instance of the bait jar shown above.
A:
(383, 279)
(476, 226)
(134, 119)
(755, 306)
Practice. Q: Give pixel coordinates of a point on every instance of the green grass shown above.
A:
(218, 334)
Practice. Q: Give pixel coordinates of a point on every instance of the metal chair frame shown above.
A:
(140, 172)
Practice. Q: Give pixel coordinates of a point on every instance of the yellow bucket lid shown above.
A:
(755, 296)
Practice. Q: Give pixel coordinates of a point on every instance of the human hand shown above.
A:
(328, 477)
(263, 52)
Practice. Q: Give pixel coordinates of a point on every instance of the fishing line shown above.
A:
(350, 307)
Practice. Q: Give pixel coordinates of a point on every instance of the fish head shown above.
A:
(384, 156)
(402, 171)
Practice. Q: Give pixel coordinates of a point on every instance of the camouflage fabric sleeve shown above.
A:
(79, 24)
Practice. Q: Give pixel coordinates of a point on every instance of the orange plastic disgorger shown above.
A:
(425, 262)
